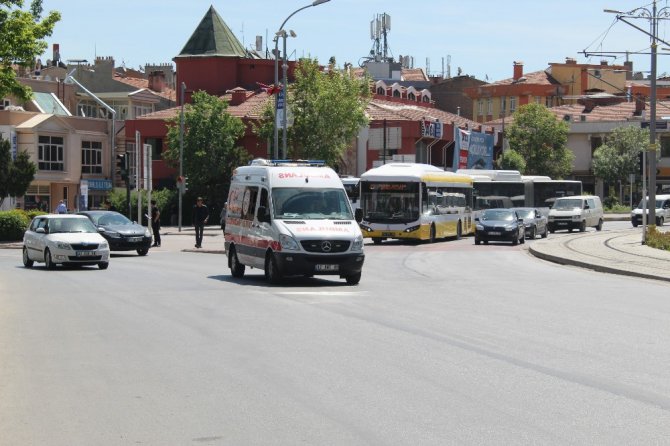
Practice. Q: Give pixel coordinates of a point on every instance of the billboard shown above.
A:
(472, 150)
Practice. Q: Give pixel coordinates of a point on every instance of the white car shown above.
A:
(64, 239)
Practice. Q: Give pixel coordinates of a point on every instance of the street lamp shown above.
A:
(653, 16)
(282, 33)
(181, 152)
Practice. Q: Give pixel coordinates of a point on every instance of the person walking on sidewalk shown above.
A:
(156, 223)
(200, 217)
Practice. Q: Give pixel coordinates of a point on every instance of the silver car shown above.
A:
(534, 222)
(64, 239)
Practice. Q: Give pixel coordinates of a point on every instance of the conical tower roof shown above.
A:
(213, 37)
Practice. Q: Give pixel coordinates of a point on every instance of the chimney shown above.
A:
(639, 105)
(570, 61)
(239, 95)
(56, 54)
(157, 81)
(518, 70)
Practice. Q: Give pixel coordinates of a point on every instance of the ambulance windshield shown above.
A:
(290, 203)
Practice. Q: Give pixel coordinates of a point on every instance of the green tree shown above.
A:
(210, 153)
(328, 108)
(541, 140)
(21, 41)
(617, 158)
(15, 175)
(512, 160)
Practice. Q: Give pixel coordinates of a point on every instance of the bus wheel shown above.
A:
(432, 234)
(459, 231)
(272, 273)
(377, 240)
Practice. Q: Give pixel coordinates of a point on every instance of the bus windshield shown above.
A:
(390, 202)
(290, 203)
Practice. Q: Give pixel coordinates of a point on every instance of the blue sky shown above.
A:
(482, 38)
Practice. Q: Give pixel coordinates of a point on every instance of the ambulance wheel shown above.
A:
(272, 273)
(377, 240)
(236, 268)
(353, 279)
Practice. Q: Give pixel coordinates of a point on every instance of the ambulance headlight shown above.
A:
(357, 245)
(288, 243)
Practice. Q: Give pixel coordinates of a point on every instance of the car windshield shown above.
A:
(525, 213)
(567, 204)
(312, 203)
(659, 204)
(498, 215)
(60, 225)
(111, 218)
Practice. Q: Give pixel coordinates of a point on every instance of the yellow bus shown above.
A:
(415, 201)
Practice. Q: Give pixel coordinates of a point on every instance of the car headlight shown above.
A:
(511, 227)
(288, 243)
(550, 218)
(103, 245)
(147, 233)
(479, 227)
(63, 245)
(577, 217)
(357, 245)
(112, 234)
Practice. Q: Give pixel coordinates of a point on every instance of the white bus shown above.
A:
(415, 201)
(508, 188)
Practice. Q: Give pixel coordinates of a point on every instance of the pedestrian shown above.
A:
(156, 223)
(223, 217)
(200, 217)
(61, 208)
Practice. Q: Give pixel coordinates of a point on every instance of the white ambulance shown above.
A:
(291, 218)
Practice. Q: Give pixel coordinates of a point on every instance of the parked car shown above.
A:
(662, 211)
(534, 222)
(499, 225)
(64, 239)
(121, 233)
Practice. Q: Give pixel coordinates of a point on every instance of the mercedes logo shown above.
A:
(326, 246)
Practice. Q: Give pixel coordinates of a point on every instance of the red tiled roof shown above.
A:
(251, 108)
(167, 93)
(534, 78)
(379, 109)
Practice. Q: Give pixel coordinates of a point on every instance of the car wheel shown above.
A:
(486, 242)
(477, 241)
(659, 221)
(545, 233)
(516, 240)
(143, 251)
(353, 279)
(26, 259)
(376, 240)
(48, 261)
(582, 226)
(532, 233)
(522, 239)
(103, 265)
(272, 273)
(600, 225)
(236, 268)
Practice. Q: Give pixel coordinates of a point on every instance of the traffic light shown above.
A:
(122, 166)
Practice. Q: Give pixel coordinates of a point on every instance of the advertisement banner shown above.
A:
(472, 150)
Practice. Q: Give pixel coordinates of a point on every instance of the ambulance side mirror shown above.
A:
(358, 215)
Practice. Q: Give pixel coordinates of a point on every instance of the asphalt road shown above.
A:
(444, 344)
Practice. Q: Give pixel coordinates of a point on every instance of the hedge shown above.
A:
(14, 223)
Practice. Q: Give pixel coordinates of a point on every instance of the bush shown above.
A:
(657, 239)
(610, 202)
(13, 224)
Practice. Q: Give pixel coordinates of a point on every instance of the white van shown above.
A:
(662, 211)
(291, 218)
(576, 212)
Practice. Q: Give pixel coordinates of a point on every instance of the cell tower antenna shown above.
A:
(448, 66)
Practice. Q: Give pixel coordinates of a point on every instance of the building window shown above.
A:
(665, 146)
(396, 93)
(489, 107)
(549, 101)
(411, 97)
(91, 157)
(87, 109)
(596, 142)
(381, 91)
(157, 148)
(503, 104)
(512, 104)
(50, 153)
(538, 99)
(141, 110)
(480, 107)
